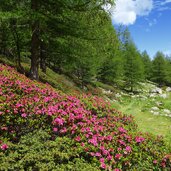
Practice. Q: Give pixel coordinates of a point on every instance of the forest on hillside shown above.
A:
(77, 38)
(72, 45)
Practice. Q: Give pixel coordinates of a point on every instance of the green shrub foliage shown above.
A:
(44, 129)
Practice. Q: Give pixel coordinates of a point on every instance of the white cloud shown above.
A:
(160, 5)
(153, 22)
(126, 11)
(166, 2)
(164, 8)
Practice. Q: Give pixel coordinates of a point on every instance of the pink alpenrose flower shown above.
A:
(139, 139)
(4, 147)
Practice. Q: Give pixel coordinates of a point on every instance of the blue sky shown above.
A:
(149, 22)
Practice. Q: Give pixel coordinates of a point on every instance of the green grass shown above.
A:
(147, 122)
(60, 82)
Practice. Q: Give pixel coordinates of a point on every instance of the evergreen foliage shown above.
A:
(76, 38)
(147, 65)
(134, 70)
(159, 68)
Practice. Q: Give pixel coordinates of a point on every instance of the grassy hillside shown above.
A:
(60, 82)
(45, 129)
(139, 108)
(147, 122)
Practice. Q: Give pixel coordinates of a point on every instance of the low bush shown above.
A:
(40, 125)
(36, 151)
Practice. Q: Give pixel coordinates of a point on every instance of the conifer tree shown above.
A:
(147, 65)
(168, 70)
(58, 18)
(134, 69)
(159, 68)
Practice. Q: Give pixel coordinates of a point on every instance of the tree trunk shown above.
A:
(3, 38)
(35, 44)
(18, 51)
(42, 57)
(17, 43)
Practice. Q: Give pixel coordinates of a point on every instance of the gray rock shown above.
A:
(152, 95)
(106, 91)
(155, 113)
(155, 108)
(159, 103)
(156, 90)
(166, 115)
(117, 95)
(164, 96)
(168, 89)
(167, 111)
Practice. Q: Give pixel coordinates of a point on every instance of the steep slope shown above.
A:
(42, 128)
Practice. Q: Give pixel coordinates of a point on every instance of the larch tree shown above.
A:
(134, 69)
(159, 69)
(147, 65)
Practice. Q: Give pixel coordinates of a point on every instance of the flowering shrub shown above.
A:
(101, 135)
(37, 152)
(4, 147)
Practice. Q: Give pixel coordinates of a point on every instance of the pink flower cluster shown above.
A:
(4, 147)
(139, 139)
(98, 129)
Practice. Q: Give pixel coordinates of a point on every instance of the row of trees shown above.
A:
(132, 66)
(56, 32)
(76, 38)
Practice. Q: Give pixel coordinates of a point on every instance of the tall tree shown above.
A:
(134, 69)
(4, 36)
(35, 41)
(89, 50)
(168, 70)
(147, 65)
(13, 15)
(111, 71)
(159, 68)
(57, 11)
